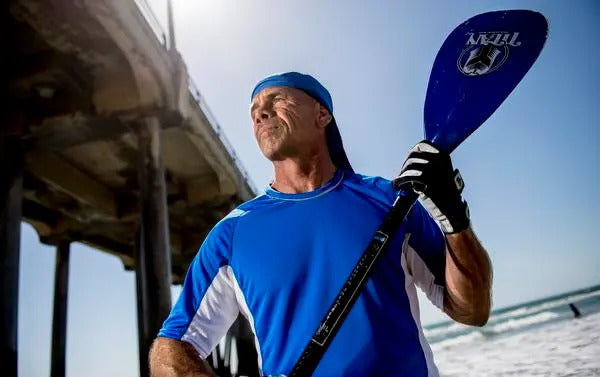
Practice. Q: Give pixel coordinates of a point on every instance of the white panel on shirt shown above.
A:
(416, 272)
(246, 312)
(217, 311)
(422, 276)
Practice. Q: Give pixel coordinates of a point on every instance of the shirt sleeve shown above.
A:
(425, 253)
(207, 306)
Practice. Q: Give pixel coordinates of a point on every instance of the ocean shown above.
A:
(537, 338)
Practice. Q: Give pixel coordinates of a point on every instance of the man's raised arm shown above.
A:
(174, 358)
(468, 294)
(468, 272)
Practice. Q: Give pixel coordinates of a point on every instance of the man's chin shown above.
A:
(273, 157)
(276, 155)
(272, 151)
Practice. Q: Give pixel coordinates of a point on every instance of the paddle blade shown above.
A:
(477, 67)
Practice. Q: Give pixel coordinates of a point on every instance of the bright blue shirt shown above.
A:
(281, 259)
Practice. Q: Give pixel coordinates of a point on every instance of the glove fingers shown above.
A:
(424, 158)
(410, 184)
(413, 175)
(424, 155)
(414, 169)
(425, 146)
(413, 159)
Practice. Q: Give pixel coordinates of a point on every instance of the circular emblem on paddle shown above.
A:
(485, 52)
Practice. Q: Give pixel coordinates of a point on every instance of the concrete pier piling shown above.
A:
(11, 192)
(59, 319)
(153, 263)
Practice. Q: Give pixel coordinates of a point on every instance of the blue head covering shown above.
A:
(317, 91)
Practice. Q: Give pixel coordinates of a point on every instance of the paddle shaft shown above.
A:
(337, 313)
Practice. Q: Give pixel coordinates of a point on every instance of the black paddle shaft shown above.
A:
(331, 323)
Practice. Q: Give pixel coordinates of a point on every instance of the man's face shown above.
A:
(287, 122)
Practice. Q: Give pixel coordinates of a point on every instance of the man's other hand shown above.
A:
(429, 172)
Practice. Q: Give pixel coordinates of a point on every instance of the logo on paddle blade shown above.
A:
(485, 52)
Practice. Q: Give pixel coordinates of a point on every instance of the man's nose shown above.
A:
(262, 114)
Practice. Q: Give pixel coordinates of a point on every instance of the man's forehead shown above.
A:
(273, 91)
(281, 89)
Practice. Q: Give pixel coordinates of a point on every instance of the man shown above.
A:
(282, 257)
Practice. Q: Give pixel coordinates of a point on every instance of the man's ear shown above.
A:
(324, 117)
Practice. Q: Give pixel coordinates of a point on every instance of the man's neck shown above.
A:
(293, 177)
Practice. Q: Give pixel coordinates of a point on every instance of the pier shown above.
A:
(107, 141)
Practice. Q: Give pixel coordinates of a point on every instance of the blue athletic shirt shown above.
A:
(281, 259)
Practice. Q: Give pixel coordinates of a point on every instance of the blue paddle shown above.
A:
(477, 67)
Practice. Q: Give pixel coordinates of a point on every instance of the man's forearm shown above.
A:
(173, 358)
(468, 279)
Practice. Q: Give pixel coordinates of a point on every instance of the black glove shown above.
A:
(429, 172)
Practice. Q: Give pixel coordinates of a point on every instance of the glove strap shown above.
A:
(455, 216)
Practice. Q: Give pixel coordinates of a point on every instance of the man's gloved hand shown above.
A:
(429, 172)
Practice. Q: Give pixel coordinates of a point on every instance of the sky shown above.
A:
(532, 171)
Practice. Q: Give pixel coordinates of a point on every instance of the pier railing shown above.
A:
(218, 131)
(160, 34)
(146, 11)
